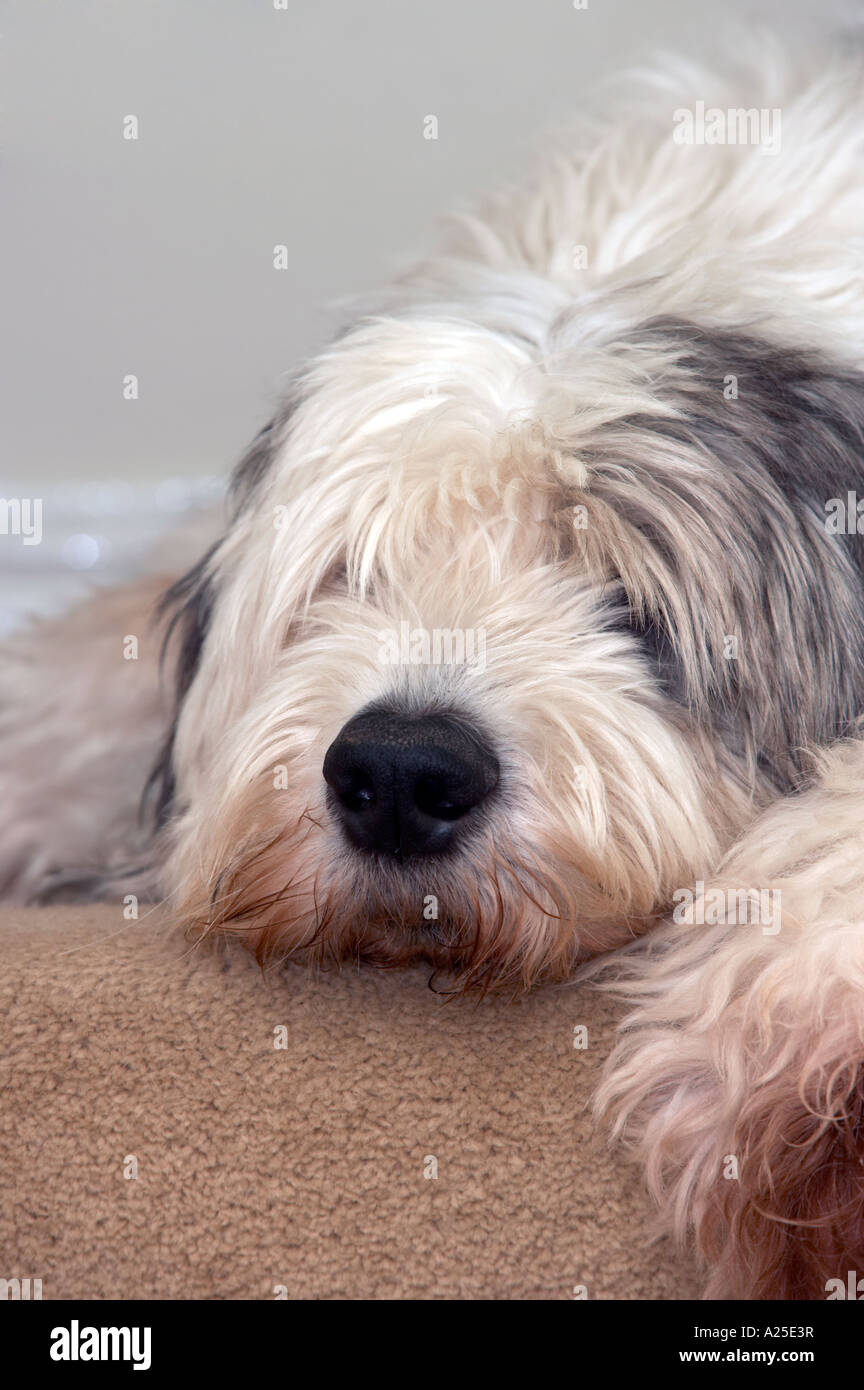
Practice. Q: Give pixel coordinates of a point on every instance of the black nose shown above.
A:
(402, 784)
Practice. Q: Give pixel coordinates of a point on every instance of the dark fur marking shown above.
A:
(254, 465)
(191, 600)
(792, 439)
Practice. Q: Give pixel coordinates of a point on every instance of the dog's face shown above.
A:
(503, 645)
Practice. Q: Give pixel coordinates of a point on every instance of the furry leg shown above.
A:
(740, 1077)
(82, 716)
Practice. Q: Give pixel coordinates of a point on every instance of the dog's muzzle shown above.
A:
(406, 785)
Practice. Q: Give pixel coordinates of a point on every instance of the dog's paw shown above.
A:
(739, 1079)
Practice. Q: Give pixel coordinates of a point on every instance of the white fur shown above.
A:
(429, 474)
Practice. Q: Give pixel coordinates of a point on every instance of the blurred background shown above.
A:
(259, 123)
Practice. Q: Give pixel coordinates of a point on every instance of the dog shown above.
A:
(535, 636)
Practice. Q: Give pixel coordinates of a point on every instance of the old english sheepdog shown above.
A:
(536, 631)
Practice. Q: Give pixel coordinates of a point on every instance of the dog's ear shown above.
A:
(187, 606)
(713, 512)
(186, 609)
(254, 465)
(258, 459)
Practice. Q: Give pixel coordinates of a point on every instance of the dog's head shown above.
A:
(506, 638)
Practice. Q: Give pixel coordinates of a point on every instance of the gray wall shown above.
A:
(257, 126)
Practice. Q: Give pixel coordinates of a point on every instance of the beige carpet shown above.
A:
(303, 1166)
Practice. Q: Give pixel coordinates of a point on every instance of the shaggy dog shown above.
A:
(539, 619)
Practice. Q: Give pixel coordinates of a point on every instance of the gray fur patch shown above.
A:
(735, 514)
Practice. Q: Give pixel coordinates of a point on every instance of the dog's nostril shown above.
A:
(432, 798)
(358, 797)
(400, 783)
